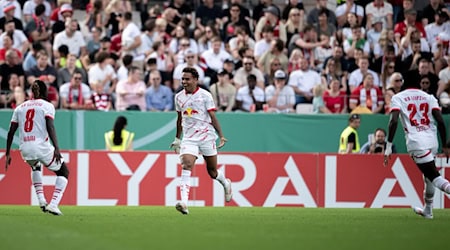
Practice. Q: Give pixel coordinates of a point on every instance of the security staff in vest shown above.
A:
(119, 139)
(349, 141)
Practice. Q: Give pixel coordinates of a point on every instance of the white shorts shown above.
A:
(43, 153)
(206, 148)
(423, 156)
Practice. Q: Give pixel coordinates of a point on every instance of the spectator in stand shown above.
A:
(181, 42)
(122, 72)
(259, 10)
(75, 94)
(36, 29)
(131, 92)
(100, 99)
(307, 41)
(440, 50)
(324, 26)
(401, 28)
(65, 74)
(263, 44)
(279, 96)
(158, 97)
(113, 13)
(431, 10)
(235, 20)
(367, 96)
(93, 43)
(271, 17)
(444, 99)
(131, 40)
(357, 42)
(374, 33)
(293, 4)
(9, 9)
(294, 60)
(244, 13)
(250, 98)
(276, 51)
(303, 81)
(440, 25)
(7, 99)
(352, 20)
(214, 58)
(349, 6)
(72, 38)
(340, 64)
(191, 62)
(164, 61)
(42, 68)
(207, 13)
(52, 92)
(334, 98)
(29, 9)
(94, 17)
(11, 66)
(248, 68)
(424, 69)
(275, 65)
(20, 41)
(406, 5)
(425, 85)
(318, 103)
(330, 74)
(313, 15)
(444, 74)
(349, 140)
(19, 97)
(241, 40)
(411, 37)
(7, 5)
(223, 92)
(295, 24)
(379, 10)
(7, 45)
(59, 24)
(356, 77)
(387, 72)
(394, 87)
(184, 10)
(103, 73)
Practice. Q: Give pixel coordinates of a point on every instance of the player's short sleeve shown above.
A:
(49, 111)
(433, 102)
(177, 106)
(209, 102)
(395, 103)
(14, 116)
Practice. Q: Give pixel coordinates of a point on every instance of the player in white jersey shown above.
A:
(418, 112)
(34, 120)
(198, 123)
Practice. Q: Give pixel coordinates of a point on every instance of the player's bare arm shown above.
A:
(52, 134)
(12, 130)
(442, 131)
(392, 128)
(177, 142)
(217, 127)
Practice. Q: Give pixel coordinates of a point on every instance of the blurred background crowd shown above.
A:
(313, 56)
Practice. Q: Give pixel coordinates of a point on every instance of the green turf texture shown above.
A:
(150, 227)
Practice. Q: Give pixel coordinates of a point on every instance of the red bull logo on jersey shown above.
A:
(189, 112)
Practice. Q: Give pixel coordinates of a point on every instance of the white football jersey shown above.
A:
(194, 109)
(30, 116)
(415, 108)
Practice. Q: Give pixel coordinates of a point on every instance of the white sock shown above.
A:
(221, 178)
(36, 178)
(428, 196)
(60, 186)
(442, 184)
(185, 185)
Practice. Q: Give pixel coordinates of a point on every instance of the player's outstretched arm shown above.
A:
(52, 134)
(12, 130)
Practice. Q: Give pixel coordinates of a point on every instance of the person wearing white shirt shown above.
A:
(441, 25)
(131, 40)
(248, 68)
(263, 44)
(356, 77)
(280, 97)
(30, 5)
(103, 73)
(303, 81)
(122, 72)
(8, 4)
(71, 37)
(349, 6)
(250, 98)
(20, 40)
(190, 61)
(215, 56)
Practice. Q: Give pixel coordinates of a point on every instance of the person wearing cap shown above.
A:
(373, 34)
(379, 9)
(60, 17)
(191, 61)
(8, 6)
(223, 92)
(279, 96)
(9, 12)
(271, 17)
(349, 140)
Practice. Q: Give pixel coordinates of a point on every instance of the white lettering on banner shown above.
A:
(47, 180)
(331, 186)
(2, 175)
(245, 183)
(83, 185)
(383, 197)
(136, 178)
(303, 194)
(172, 161)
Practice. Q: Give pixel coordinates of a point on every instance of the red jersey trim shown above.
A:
(422, 156)
(213, 109)
(49, 116)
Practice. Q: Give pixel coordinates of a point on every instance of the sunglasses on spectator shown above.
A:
(77, 78)
(248, 63)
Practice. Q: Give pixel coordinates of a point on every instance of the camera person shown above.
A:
(376, 143)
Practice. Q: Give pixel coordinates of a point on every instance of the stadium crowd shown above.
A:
(269, 58)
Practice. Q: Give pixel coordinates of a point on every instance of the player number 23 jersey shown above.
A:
(415, 108)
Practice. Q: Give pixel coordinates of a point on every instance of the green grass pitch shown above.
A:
(149, 227)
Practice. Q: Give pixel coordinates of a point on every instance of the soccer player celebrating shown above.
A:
(418, 112)
(34, 119)
(198, 123)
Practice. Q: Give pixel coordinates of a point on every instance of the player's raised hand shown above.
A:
(222, 142)
(176, 145)
(7, 161)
